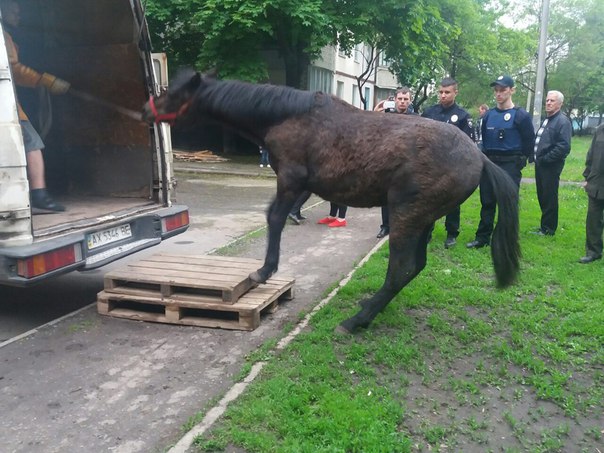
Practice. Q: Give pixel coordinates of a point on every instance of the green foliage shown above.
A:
(579, 72)
(173, 31)
(574, 52)
(232, 35)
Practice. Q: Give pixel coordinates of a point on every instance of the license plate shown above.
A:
(108, 236)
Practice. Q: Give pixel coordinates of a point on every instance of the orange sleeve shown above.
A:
(23, 75)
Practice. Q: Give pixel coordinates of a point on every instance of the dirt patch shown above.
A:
(462, 399)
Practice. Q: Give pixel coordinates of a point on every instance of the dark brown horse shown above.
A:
(421, 169)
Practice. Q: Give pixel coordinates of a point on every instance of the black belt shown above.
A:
(505, 157)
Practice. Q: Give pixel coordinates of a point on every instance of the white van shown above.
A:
(111, 172)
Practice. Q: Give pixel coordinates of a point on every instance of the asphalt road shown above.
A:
(93, 383)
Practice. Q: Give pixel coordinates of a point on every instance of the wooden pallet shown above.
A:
(174, 275)
(139, 292)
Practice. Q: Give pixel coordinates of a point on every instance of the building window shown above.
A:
(367, 96)
(320, 79)
(383, 61)
(358, 53)
(340, 90)
(381, 93)
(355, 95)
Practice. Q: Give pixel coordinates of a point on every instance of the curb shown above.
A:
(224, 172)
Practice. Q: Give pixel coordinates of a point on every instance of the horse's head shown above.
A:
(175, 101)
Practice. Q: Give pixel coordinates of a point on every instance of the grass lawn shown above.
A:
(452, 364)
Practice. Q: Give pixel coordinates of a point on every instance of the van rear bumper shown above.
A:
(89, 248)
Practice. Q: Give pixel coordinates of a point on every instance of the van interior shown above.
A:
(98, 161)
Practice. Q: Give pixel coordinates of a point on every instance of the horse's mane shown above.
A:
(263, 103)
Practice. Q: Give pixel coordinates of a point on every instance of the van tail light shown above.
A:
(174, 222)
(48, 261)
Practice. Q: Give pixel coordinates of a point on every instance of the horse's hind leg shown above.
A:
(276, 217)
(407, 259)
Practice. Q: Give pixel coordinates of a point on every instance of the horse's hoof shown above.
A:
(365, 303)
(348, 326)
(342, 330)
(257, 278)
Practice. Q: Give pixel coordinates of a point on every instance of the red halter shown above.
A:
(169, 118)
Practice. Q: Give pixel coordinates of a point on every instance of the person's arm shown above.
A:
(28, 77)
(561, 145)
(379, 107)
(589, 157)
(464, 125)
(483, 126)
(22, 75)
(527, 134)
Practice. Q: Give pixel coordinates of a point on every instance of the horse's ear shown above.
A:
(195, 81)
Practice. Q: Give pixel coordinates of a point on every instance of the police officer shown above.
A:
(448, 111)
(508, 139)
(403, 106)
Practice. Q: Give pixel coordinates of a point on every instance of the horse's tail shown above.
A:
(505, 247)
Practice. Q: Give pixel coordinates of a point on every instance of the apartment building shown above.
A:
(341, 74)
(337, 73)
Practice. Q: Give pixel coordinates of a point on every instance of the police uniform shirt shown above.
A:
(453, 114)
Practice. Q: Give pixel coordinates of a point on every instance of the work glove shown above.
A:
(54, 84)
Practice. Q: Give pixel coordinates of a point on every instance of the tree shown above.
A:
(578, 71)
(574, 52)
(477, 48)
(231, 34)
(173, 31)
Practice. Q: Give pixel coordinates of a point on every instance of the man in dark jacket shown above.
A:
(402, 106)
(448, 111)
(594, 186)
(552, 145)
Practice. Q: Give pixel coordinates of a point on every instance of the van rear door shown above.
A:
(15, 215)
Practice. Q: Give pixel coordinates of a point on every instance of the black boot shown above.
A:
(41, 200)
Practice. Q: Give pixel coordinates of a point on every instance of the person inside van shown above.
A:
(41, 201)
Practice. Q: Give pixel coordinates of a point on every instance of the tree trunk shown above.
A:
(296, 70)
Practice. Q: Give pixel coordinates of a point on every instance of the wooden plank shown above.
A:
(196, 260)
(169, 275)
(184, 266)
(204, 258)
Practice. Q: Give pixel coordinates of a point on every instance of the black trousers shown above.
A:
(547, 177)
(452, 222)
(337, 210)
(303, 198)
(513, 168)
(594, 226)
(385, 218)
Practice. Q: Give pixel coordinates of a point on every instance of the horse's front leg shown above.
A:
(276, 217)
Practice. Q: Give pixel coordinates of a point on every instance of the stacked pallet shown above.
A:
(207, 291)
(197, 156)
